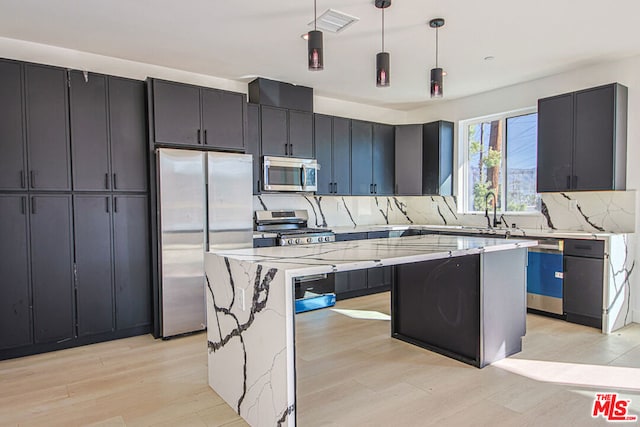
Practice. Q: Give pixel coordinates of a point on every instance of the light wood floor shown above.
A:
(350, 373)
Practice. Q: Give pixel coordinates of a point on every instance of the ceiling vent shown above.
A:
(334, 21)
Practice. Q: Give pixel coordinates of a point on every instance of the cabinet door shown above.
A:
(361, 158)
(176, 113)
(132, 261)
(275, 141)
(12, 164)
(89, 132)
(384, 162)
(323, 140)
(47, 128)
(350, 281)
(51, 268)
(582, 289)
(301, 134)
(593, 158)
(379, 277)
(223, 119)
(555, 143)
(408, 158)
(341, 155)
(252, 144)
(437, 163)
(127, 120)
(94, 285)
(15, 296)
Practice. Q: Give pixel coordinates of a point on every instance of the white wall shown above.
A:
(626, 72)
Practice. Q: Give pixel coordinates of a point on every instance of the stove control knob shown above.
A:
(309, 239)
(297, 241)
(290, 241)
(326, 239)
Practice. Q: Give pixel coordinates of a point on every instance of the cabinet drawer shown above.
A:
(584, 248)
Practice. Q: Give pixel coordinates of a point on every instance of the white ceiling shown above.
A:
(238, 39)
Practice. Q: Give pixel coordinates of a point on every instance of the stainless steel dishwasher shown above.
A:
(545, 277)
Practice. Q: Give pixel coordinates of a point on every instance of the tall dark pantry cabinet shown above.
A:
(74, 252)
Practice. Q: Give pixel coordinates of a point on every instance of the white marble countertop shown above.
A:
(464, 229)
(359, 254)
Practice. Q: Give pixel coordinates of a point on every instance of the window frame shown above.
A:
(463, 162)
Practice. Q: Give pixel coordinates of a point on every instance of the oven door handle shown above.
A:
(311, 278)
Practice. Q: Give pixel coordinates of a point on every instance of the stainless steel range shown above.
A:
(291, 227)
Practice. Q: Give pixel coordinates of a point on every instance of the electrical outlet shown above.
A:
(242, 304)
(573, 205)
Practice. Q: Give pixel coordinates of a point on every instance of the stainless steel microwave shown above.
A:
(289, 174)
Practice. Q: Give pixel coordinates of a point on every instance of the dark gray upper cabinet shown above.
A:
(437, 158)
(132, 261)
(191, 115)
(128, 134)
(252, 143)
(341, 156)
(322, 130)
(94, 287)
(332, 137)
(108, 137)
(300, 134)
(424, 159)
(47, 128)
(12, 149)
(223, 119)
(361, 158)
(372, 158)
(582, 140)
(89, 132)
(408, 160)
(286, 132)
(51, 267)
(555, 143)
(15, 295)
(275, 131)
(383, 159)
(176, 113)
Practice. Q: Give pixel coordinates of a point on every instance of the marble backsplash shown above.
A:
(603, 211)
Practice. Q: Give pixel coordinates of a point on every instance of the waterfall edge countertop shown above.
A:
(250, 308)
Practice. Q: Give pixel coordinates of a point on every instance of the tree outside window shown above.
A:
(501, 159)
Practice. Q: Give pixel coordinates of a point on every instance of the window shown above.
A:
(499, 154)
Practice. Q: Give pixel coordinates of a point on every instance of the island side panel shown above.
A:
(619, 269)
(250, 339)
(503, 291)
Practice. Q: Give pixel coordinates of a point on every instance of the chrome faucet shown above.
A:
(486, 210)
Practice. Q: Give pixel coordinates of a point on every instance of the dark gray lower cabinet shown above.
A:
(132, 261)
(51, 268)
(94, 288)
(15, 295)
(437, 305)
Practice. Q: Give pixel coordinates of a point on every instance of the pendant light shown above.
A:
(314, 44)
(382, 58)
(436, 73)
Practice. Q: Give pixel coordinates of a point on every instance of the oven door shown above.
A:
(289, 174)
(314, 292)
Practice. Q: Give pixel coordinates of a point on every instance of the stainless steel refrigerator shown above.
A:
(205, 201)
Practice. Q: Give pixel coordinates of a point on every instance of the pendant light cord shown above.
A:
(436, 47)
(383, 30)
(315, 16)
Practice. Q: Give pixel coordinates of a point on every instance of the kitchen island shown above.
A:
(478, 285)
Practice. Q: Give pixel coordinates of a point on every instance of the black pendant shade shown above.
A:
(316, 61)
(436, 73)
(382, 69)
(436, 82)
